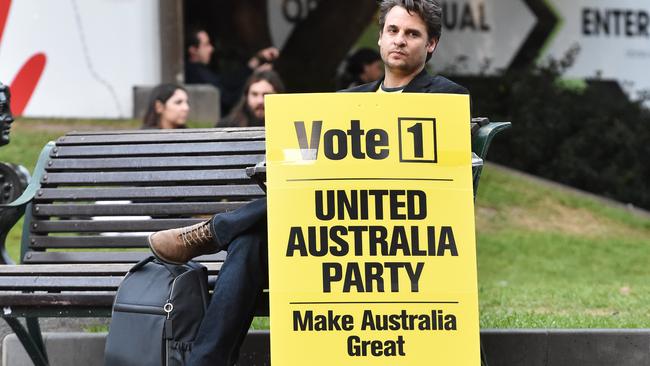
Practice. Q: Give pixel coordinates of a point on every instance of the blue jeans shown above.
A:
(242, 278)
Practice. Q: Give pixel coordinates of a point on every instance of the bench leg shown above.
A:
(34, 329)
(34, 348)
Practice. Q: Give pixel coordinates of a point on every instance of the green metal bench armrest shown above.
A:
(481, 143)
(24, 198)
(35, 182)
(11, 212)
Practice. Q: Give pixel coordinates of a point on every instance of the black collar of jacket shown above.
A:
(420, 82)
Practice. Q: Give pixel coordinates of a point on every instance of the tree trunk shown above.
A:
(317, 45)
(242, 27)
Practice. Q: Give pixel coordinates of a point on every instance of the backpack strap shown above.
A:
(194, 265)
(175, 269)
(141, 264)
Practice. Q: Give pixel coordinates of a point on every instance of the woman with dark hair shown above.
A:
(168, 108)
(249, 111)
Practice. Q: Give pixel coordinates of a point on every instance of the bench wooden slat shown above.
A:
(161, 150)
(101, 257)
(186, 192)
(82, 305)
(80, 242)
(160, 138)
(40, 300)
(162, 132)
(170, 176)
(102, 225)
(171, 162)
(153, 209)
(111, 269)
(63, 283)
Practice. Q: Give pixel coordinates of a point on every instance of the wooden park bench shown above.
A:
(95, 196)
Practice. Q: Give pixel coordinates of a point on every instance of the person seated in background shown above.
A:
(249, 111)
(168, 108)
(362, 67)
(199, 50)
(198, 54)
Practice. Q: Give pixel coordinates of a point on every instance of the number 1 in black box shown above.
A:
(417, 140)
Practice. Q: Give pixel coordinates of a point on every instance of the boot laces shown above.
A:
(196, 235)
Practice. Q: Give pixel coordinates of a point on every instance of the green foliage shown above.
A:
(586, 135)
(260, 323)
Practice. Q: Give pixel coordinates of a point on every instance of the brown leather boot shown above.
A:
(178, 246)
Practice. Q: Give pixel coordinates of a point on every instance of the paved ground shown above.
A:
(60, 325)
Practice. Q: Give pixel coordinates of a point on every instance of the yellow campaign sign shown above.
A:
(372, 257)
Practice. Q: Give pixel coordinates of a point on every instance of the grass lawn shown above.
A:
(547, 258)
(552, 259)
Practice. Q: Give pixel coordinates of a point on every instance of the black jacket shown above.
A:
(422, 83)
(198, 73)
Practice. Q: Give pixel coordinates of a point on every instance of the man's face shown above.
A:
(255, 97)
(203, 52)
(403, 42)
(5, 115)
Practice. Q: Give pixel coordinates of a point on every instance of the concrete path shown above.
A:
(59, 325)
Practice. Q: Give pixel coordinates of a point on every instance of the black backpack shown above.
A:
(156, 314)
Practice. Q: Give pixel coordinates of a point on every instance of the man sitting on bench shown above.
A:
(409, 33)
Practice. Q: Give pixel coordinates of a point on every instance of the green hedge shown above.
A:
(587, 135)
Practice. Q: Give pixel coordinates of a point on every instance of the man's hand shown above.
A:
(264, 58)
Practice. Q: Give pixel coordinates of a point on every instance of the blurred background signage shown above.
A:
(82, 59)
(92, 54)
(485, 36)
